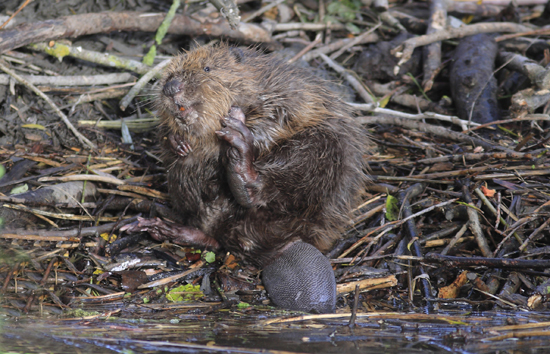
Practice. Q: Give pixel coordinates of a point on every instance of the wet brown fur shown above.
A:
(309, 152)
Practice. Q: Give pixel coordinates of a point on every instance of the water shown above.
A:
(246, 332)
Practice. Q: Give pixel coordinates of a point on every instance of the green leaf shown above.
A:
(507, 130)
(332, 19)
(384, 101)
(419, 86)
(392, 208)
(186, 292)
(20, 189)
(346, 10)
(352, 28)
(332, 8)
(210, 257)
(34, 126)
(2, 171)
(243, 305)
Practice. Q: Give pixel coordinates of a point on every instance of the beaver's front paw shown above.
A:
(179, 145)
(301, 279)
(238, 136)
(162, 231)
(243, 178)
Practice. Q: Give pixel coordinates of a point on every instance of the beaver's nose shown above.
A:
(172, 87)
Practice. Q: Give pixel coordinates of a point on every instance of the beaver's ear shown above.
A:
(237, 53)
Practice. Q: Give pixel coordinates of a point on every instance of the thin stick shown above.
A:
(142, 82)
(60, 50)
(15, 13)
(475, 225)
(172, 278)
(405, 50)
(262, 10)
(355, 304)
(309, 47)
(354, 41)
(352, 80)
(425, 115)
(73, 80)
(535, 233)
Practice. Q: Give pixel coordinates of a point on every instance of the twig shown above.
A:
(105, 22)
(505, 3)
(61, 216)
(133, 124)
(475, 226)
(432, 52)
(528, 100)
(534, 117)
(318, 39)
(405, 197)
(405, 50)
(538, 74)
(520, 173)
(355, 305)
(388, 18)
(371, 38)
(369, 284)
(195, 267)
(262, 10)
(500, 299)
(507, 263)
(352, 80)
(77, 80)
(534, 234)
(476, 157)
(390, 226)
(455, 239)
(95, 178)
(15, 13)
(83, 140)
(86, 97)
(354, 41)
(425, 115)
(398, 95)
(60, 50)
(490, 206)
(229, 10)
(307, 26)
(432, 129)
(528, 32)
(141, 83)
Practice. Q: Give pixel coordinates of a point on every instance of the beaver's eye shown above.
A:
(207, 69)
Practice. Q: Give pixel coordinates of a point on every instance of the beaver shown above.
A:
(264, 160)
